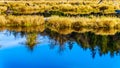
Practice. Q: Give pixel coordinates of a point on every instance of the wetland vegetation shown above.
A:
(70, 14)
(71, 27)
(59, 7)
(63, 18)
(60, 22)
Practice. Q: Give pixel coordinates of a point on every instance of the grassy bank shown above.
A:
(74, 7)
(78, 22)
(21, 20)
(59, 22)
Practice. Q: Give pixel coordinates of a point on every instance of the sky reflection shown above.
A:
(42, 56)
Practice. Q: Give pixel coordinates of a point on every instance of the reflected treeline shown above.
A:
(103, 44)
(96, 43)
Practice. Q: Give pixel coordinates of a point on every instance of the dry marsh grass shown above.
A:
(65, 7)
(59, 22)
(3, 20)
(89, 22)
(21, 20)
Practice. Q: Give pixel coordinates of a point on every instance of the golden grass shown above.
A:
(3, 20)
(21, 20)
(65, 7)
(58, 22)
(78, 22)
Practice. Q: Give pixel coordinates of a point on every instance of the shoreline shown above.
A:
(67, 31)
(61, 22)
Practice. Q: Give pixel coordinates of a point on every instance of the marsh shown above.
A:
(59, 34)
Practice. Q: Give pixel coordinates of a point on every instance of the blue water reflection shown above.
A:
(15, 54)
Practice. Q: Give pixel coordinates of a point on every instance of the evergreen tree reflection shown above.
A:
(101, 44)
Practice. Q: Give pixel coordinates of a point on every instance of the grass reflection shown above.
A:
(102, 41)
(31, 40)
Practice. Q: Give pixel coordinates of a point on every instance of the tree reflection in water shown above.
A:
(31, 40)
(102, 44)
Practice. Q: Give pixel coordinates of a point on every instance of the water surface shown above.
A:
(50, 49)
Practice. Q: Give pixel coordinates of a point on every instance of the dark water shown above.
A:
(49, 49)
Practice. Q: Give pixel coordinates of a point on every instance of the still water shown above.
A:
(49, 49)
